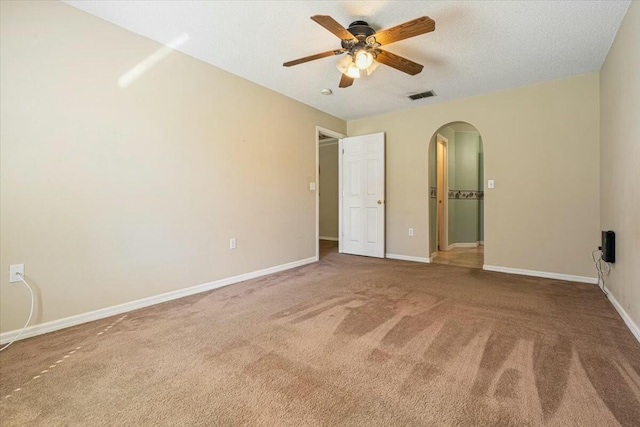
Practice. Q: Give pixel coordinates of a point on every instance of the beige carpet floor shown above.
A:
(345, 341)
(462, 257)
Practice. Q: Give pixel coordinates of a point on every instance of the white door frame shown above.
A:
(444, 244)
(340, 150)
(332, 134)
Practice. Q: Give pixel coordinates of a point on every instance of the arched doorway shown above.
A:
(456, 195)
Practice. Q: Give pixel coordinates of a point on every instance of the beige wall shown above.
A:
(113, 194)
(620, 160)
(329, 190)
(541, 146)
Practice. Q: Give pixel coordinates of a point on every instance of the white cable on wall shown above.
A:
(601, 272)
(30, 313)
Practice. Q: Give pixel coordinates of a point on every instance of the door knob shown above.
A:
(379, 202)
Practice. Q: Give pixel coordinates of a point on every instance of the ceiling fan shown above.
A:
(362, 45)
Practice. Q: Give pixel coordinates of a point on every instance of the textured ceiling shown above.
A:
(477, 47)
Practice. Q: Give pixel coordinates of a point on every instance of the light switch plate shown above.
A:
(491, 184)
(312, 186)
(13, 272)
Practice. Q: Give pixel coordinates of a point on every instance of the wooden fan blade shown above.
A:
(346, 81)
(314, 57)
(398, 62)
(418, 26)
(332, 25)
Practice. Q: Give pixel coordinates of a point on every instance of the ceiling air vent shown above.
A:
(427, 94)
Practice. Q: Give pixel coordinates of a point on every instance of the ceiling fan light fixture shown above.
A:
(343, 63)
(353, 71)
(363, 59)
(372, 68)
(361, 44)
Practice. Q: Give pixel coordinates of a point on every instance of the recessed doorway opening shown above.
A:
(456, 196)
(327, 191)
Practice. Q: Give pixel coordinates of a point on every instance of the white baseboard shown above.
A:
(66, 322)
(433, 255)
(536, 273)
(408, 258)
(466, 245)
(332, 239)
(480, 242)
(635, 330)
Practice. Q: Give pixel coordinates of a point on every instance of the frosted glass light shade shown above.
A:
(363, 59)
(353, 71)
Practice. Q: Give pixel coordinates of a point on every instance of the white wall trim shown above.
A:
(536, 273)
(332, 239)
(480, 242)
(445, 197)
(90, 316)
(464, 245)
(328, 142)
(433, 255)
(408, 258)
(333, 134)
(340, 194)
(635, 330)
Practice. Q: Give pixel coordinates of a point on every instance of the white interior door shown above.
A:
(362, 185)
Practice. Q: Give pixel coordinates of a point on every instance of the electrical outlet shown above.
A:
(491, 184)
(411, 232)
(232, 243)
(13, 272)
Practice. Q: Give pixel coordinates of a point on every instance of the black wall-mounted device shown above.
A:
(608, 246)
